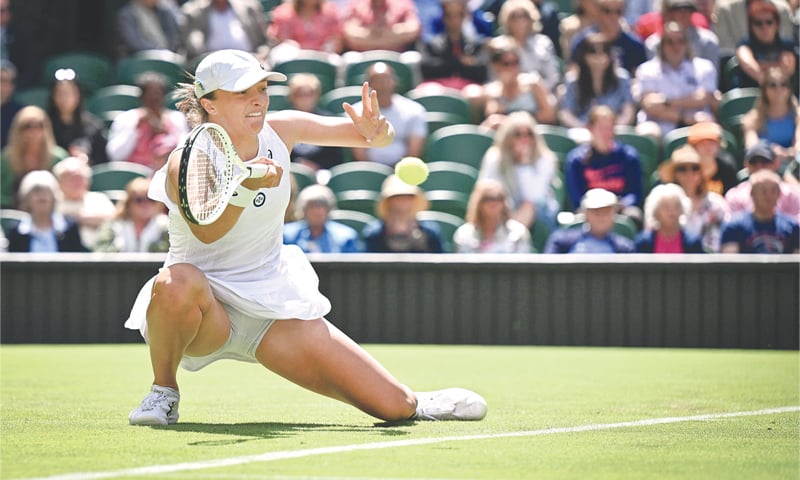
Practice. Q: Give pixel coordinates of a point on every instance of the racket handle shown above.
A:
(258, 170)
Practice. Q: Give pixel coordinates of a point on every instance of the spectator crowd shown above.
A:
(583, 126)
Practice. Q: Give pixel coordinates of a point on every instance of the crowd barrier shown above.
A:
(705, 301)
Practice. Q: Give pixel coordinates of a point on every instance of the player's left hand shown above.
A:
(370, 123)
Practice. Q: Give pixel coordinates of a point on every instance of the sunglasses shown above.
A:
(763, 23)
(597, 51)
(32, 125)
(140, 199)
(493, 198)
(611, 11)
(509, 63)
(523, 133)
(778, 84)
(687, 168)
(674, 41)
(759, 160)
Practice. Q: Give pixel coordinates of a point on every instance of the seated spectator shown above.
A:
(380, 25)
(703, 42)
(652, 23)
(9, 106)
(489, 227)
(626, 47)
(454, 58)
(718, 166)
(480, 20)
(75, 129)
(210, 25)
(731, 24)
(605, 163)
(595, 80)
(761, 228)
(514, 91)
(31, 146)
(550, 20)
(89, 209)
(596, 234)
(139, 225)
(523, 164)
(585, 14)
(665, 211)
(775, 117)
(398, 230)
(134, 133)
(406, 115)
(148, 25)
(304, 93)
(308, 24)
(763, 47)
(761, 157)
(521, 22)
(708, 210)
(675, 88)
(21, 43)
(315, 232)
(45, 230)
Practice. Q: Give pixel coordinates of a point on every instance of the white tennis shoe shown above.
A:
(450, 404)
(159, 407)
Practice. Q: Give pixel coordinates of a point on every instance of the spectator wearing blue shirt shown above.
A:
(762, 230)
(627, 48)
(605, 163)
(596, 234)
(315, 233)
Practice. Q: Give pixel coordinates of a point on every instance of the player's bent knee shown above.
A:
(178, 288)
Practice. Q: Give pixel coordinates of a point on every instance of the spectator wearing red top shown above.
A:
(653, 22)
(311, 24)
(381, 25)
(666, 209)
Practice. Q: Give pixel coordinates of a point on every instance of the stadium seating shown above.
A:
(646, 146)
(278, 97)
(464, 143)
(332, 101)
(169, 64)
(447, 224)
(10, 218)
(113, 177)
(93, 70)
(303, 175)
(444, 175)
(323, 65)
(557, 139)
(443, 100)
(358, 176)
(354, 219)
(405, 66)
(37, 96)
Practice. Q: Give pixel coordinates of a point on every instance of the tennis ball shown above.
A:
(411, 170)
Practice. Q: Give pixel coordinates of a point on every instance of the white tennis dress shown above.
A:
(249, 268)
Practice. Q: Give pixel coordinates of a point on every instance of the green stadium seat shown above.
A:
(464, 143)
(94, 70)
(358, 200)
(448, 201)
(303, 175)
(37, 96)
(169, 64)
(405, 66)
(447, 223)
(354, 219)
(114, 98)
(444, 175)
(332, 101)
(10, 218)
(323, 65)
(278, 98)
(437, 120)
(444, 100)
(358, 175)
(646, 146)
(557, 139)
(114, 176)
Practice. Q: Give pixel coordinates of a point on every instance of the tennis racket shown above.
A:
(210, 172)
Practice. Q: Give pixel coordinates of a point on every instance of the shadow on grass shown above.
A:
(245, 432)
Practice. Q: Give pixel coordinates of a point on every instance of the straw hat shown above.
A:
(393, 187)
(680, 156)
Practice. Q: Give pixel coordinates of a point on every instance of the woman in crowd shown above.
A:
(520, 20)
(45, 230)
(75, 129)
(596, 81)
(513, 90)
(665, 211)
(708, 209)
(775, 116)
(521, 161)
(140, 224)
(310, 24)
(717, 164)
(489, 227)
(31, 146)
(764, 48)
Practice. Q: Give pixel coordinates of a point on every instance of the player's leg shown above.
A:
(318, 356)
(183, 318)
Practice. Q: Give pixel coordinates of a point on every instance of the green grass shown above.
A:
(64, 410)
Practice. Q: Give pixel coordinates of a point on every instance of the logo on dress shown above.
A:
(260, 199)
(269, 153)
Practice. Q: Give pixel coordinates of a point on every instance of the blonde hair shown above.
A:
(308, 80)
(758, 115)
(483, 188)
(136, 186)
(17, 142)
(189, 104)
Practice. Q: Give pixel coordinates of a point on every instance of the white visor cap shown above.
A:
(230, 70)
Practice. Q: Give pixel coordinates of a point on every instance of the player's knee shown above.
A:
(177, 288)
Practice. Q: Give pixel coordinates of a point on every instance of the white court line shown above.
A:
(289, 454)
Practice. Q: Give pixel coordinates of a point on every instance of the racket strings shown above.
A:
(209, 175)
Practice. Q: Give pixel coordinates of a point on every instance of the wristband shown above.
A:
(242, 197)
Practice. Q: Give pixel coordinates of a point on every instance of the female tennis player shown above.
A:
(232, 290)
